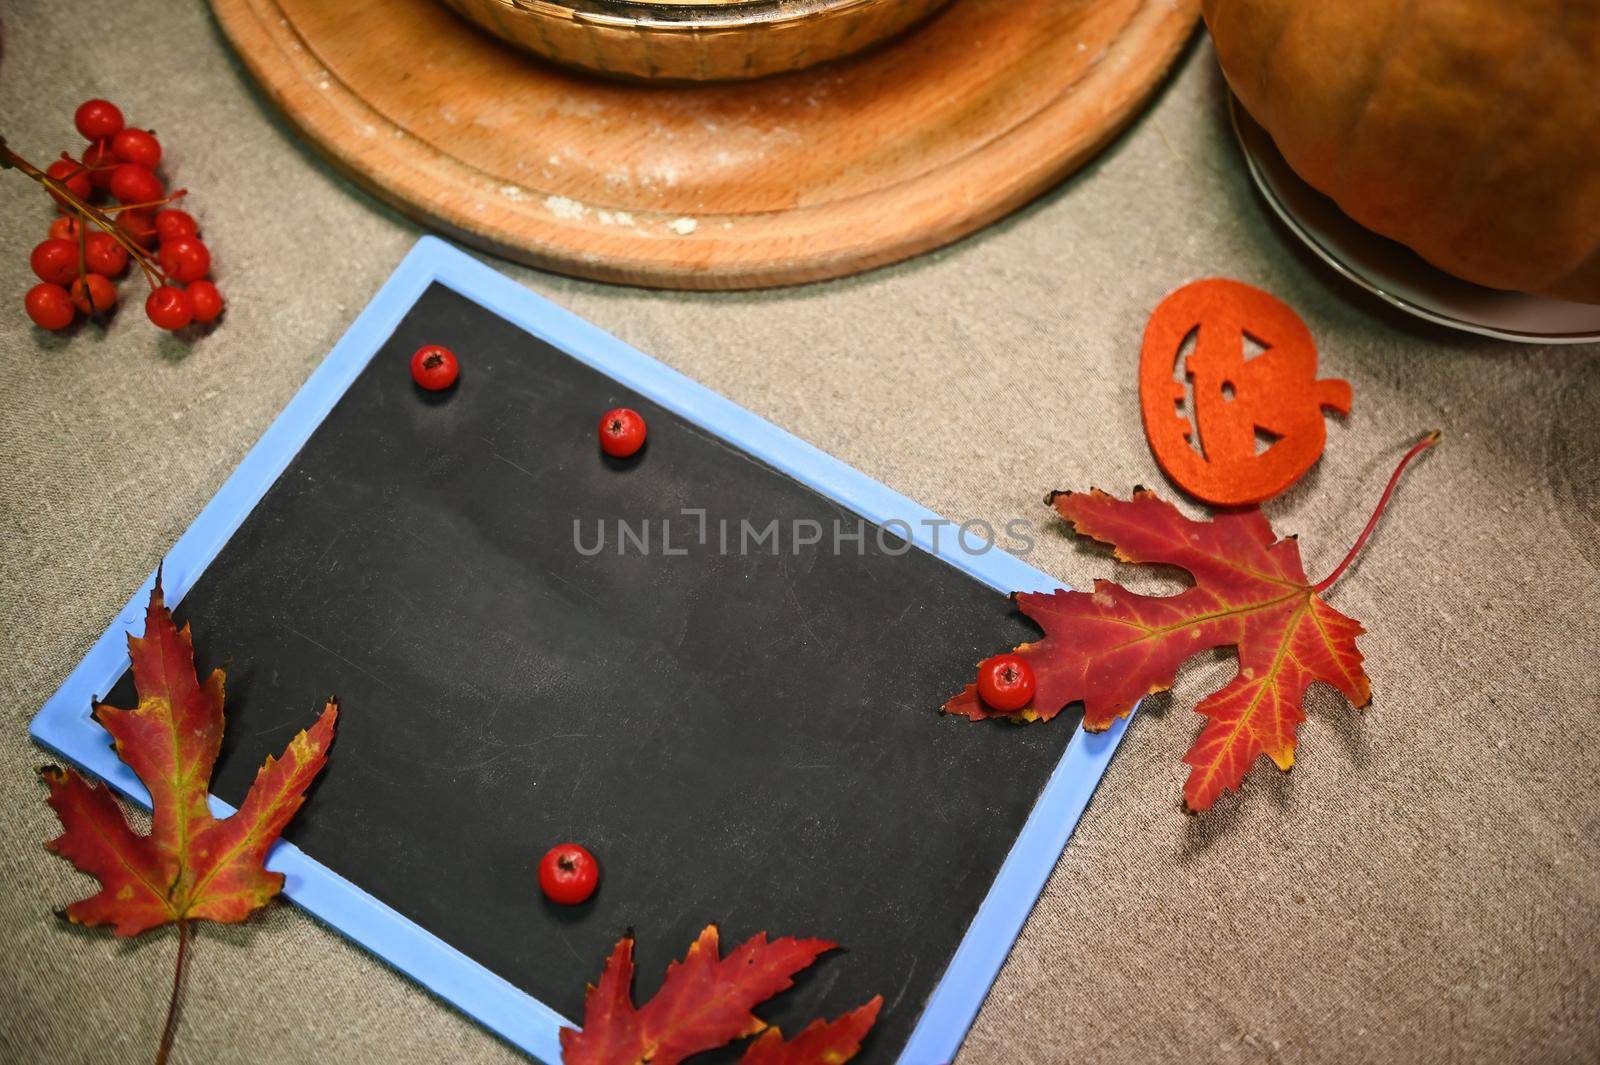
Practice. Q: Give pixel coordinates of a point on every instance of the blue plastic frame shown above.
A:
(64, 724)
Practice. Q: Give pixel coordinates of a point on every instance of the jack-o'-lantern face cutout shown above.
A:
(1229, 427)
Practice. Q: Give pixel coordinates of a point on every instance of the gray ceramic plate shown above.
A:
(1395, 273)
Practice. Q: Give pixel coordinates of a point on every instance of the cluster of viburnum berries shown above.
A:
(93, 241)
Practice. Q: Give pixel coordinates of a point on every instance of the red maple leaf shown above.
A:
(1110, 647)
(191, 865)
(821, 1043)
(704, 1003)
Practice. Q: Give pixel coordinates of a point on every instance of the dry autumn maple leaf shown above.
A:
(1110, 647)
(191, 865)
(704, 1003)
(820, 1043)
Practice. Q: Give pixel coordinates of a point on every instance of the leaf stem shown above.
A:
(1418, 448)
(171, 1027)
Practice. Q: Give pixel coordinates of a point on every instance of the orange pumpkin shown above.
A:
(1468, 130)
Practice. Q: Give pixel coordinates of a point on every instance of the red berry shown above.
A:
(136, 183)
(206, 299)
(98, 118)
(103, 255)
(1005, 683)
(136, 146)
(173, 223)
(621, 432)
(55, 260)
(74, 177)
(98, 158)
(568, 874)
(65, 228)
(136, 225)
(434, 367)
(185, 259)
(49, 306)
(170, 307)
(93, 294)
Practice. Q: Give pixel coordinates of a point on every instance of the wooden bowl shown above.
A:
(694, 40)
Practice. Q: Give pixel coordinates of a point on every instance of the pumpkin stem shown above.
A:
(1418, 448)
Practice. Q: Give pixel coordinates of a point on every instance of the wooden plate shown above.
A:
(810, 175)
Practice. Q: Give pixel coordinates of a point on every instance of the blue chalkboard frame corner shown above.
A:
(64, 724)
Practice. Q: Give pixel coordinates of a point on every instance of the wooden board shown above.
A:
(806, 176)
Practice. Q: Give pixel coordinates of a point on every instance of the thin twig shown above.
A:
(87, 212)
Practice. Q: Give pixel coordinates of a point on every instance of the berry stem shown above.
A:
(1418, 448)
(83, 251)
(149, 203)
(80, 167)
(152, 277)
(10, 160)
(102, 145)
(170, 1029)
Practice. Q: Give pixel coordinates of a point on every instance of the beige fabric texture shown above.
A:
(1422, 888)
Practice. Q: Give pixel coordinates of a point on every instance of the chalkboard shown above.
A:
(720, 679)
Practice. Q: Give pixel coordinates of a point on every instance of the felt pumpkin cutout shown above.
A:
(1468, 130)
(1254, 424)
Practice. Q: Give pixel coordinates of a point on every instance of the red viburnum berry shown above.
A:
(93, 294)
(568, 874)
(55, 260)
(434, 367)
(207, 301)
(49, 306)
(103, 255)
(170, 308)
(622, 432)
(137, 146)
(74, 177)
(1005, 683)
(172, 223)
(137, 226)
(185, 259)
(136, 183)
(98, 118)
(98, 158)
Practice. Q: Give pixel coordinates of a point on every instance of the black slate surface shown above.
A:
(748, 740)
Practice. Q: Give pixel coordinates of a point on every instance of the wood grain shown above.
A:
(805, 176)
